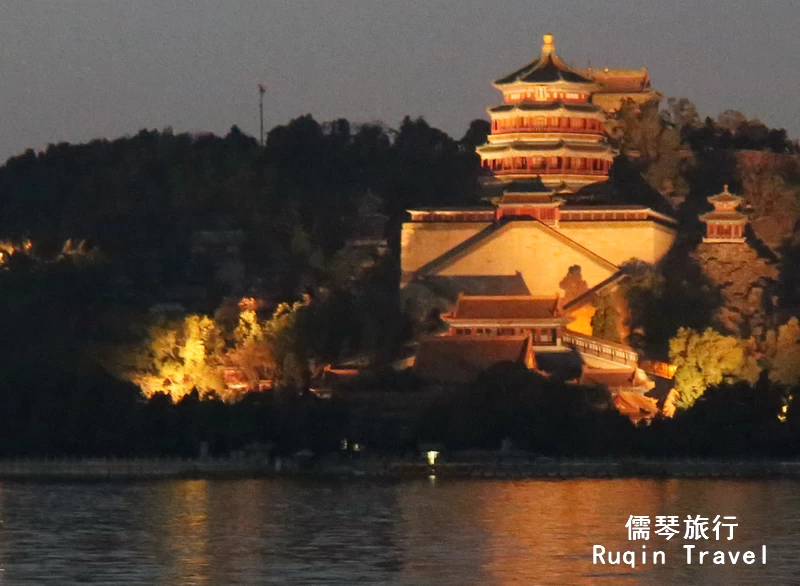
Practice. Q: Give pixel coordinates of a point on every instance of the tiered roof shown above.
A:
(725, 201)
(546, 69)
(546, 107)
(724, 223)
(575, 154)
(561, 147)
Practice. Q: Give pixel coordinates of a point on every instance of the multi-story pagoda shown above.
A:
(547, 130)
(724, 223)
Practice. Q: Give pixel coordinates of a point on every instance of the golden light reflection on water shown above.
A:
(542, 532)
(188, 536)
(437, 531)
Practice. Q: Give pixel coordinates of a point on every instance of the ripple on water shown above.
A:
(285, 531)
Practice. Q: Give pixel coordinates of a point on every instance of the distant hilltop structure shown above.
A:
(616, 86)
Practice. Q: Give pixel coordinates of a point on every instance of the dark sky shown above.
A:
(75, 70)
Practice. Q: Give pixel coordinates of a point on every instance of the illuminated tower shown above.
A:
(547, 131)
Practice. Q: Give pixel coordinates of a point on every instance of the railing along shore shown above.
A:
(485, 468)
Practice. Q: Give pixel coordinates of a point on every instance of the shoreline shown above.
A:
(499, 468)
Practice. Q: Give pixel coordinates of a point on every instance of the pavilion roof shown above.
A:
(505, 307)
(545, 69)
(635, 406)
(621, 80)
(548, 68)
(516, 198)
(527, 186)
(546, 107)
(717, 216)
(726, 197)
(560, 146)
(616, 378)
(460, 359)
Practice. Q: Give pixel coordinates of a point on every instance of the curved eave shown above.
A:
(545, 69)
(649, 212)
(550, 138)
(724, 240)
(556, 106)
(715, 218)
(506, 322)
(522, 202)
(551, 149)
(725, 198)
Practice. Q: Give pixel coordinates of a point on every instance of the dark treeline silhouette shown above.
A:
(139, 199)
(129, 209)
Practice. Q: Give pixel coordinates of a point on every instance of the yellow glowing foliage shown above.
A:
(249, 331)
(191, 353)
(181, 357)
(703, 359)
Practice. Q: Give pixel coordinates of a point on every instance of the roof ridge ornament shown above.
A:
(548, 48)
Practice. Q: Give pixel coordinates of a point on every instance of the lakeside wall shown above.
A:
(496, 468)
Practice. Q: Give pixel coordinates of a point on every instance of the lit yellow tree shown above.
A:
(252, 353)
(703, 359)
(180, 357)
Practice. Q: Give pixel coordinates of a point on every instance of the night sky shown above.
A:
(76, 70)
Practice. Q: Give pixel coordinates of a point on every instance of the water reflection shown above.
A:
(426, 532)
(187, 537)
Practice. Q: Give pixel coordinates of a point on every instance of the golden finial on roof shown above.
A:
(726, 188)
(548, 48)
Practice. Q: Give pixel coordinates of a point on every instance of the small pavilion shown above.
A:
(724, 223)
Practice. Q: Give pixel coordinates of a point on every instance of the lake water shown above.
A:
(293, 531)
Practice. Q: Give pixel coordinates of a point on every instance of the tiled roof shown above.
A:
(460, 359)
(716, 216)
(546, 107)
(527, 186)
(635, 405)
(451, 209)
(547, 68)
(622, 81)
(609, 378)
(578, 147)
(505, 307)
(529, 198)
(726, 197)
